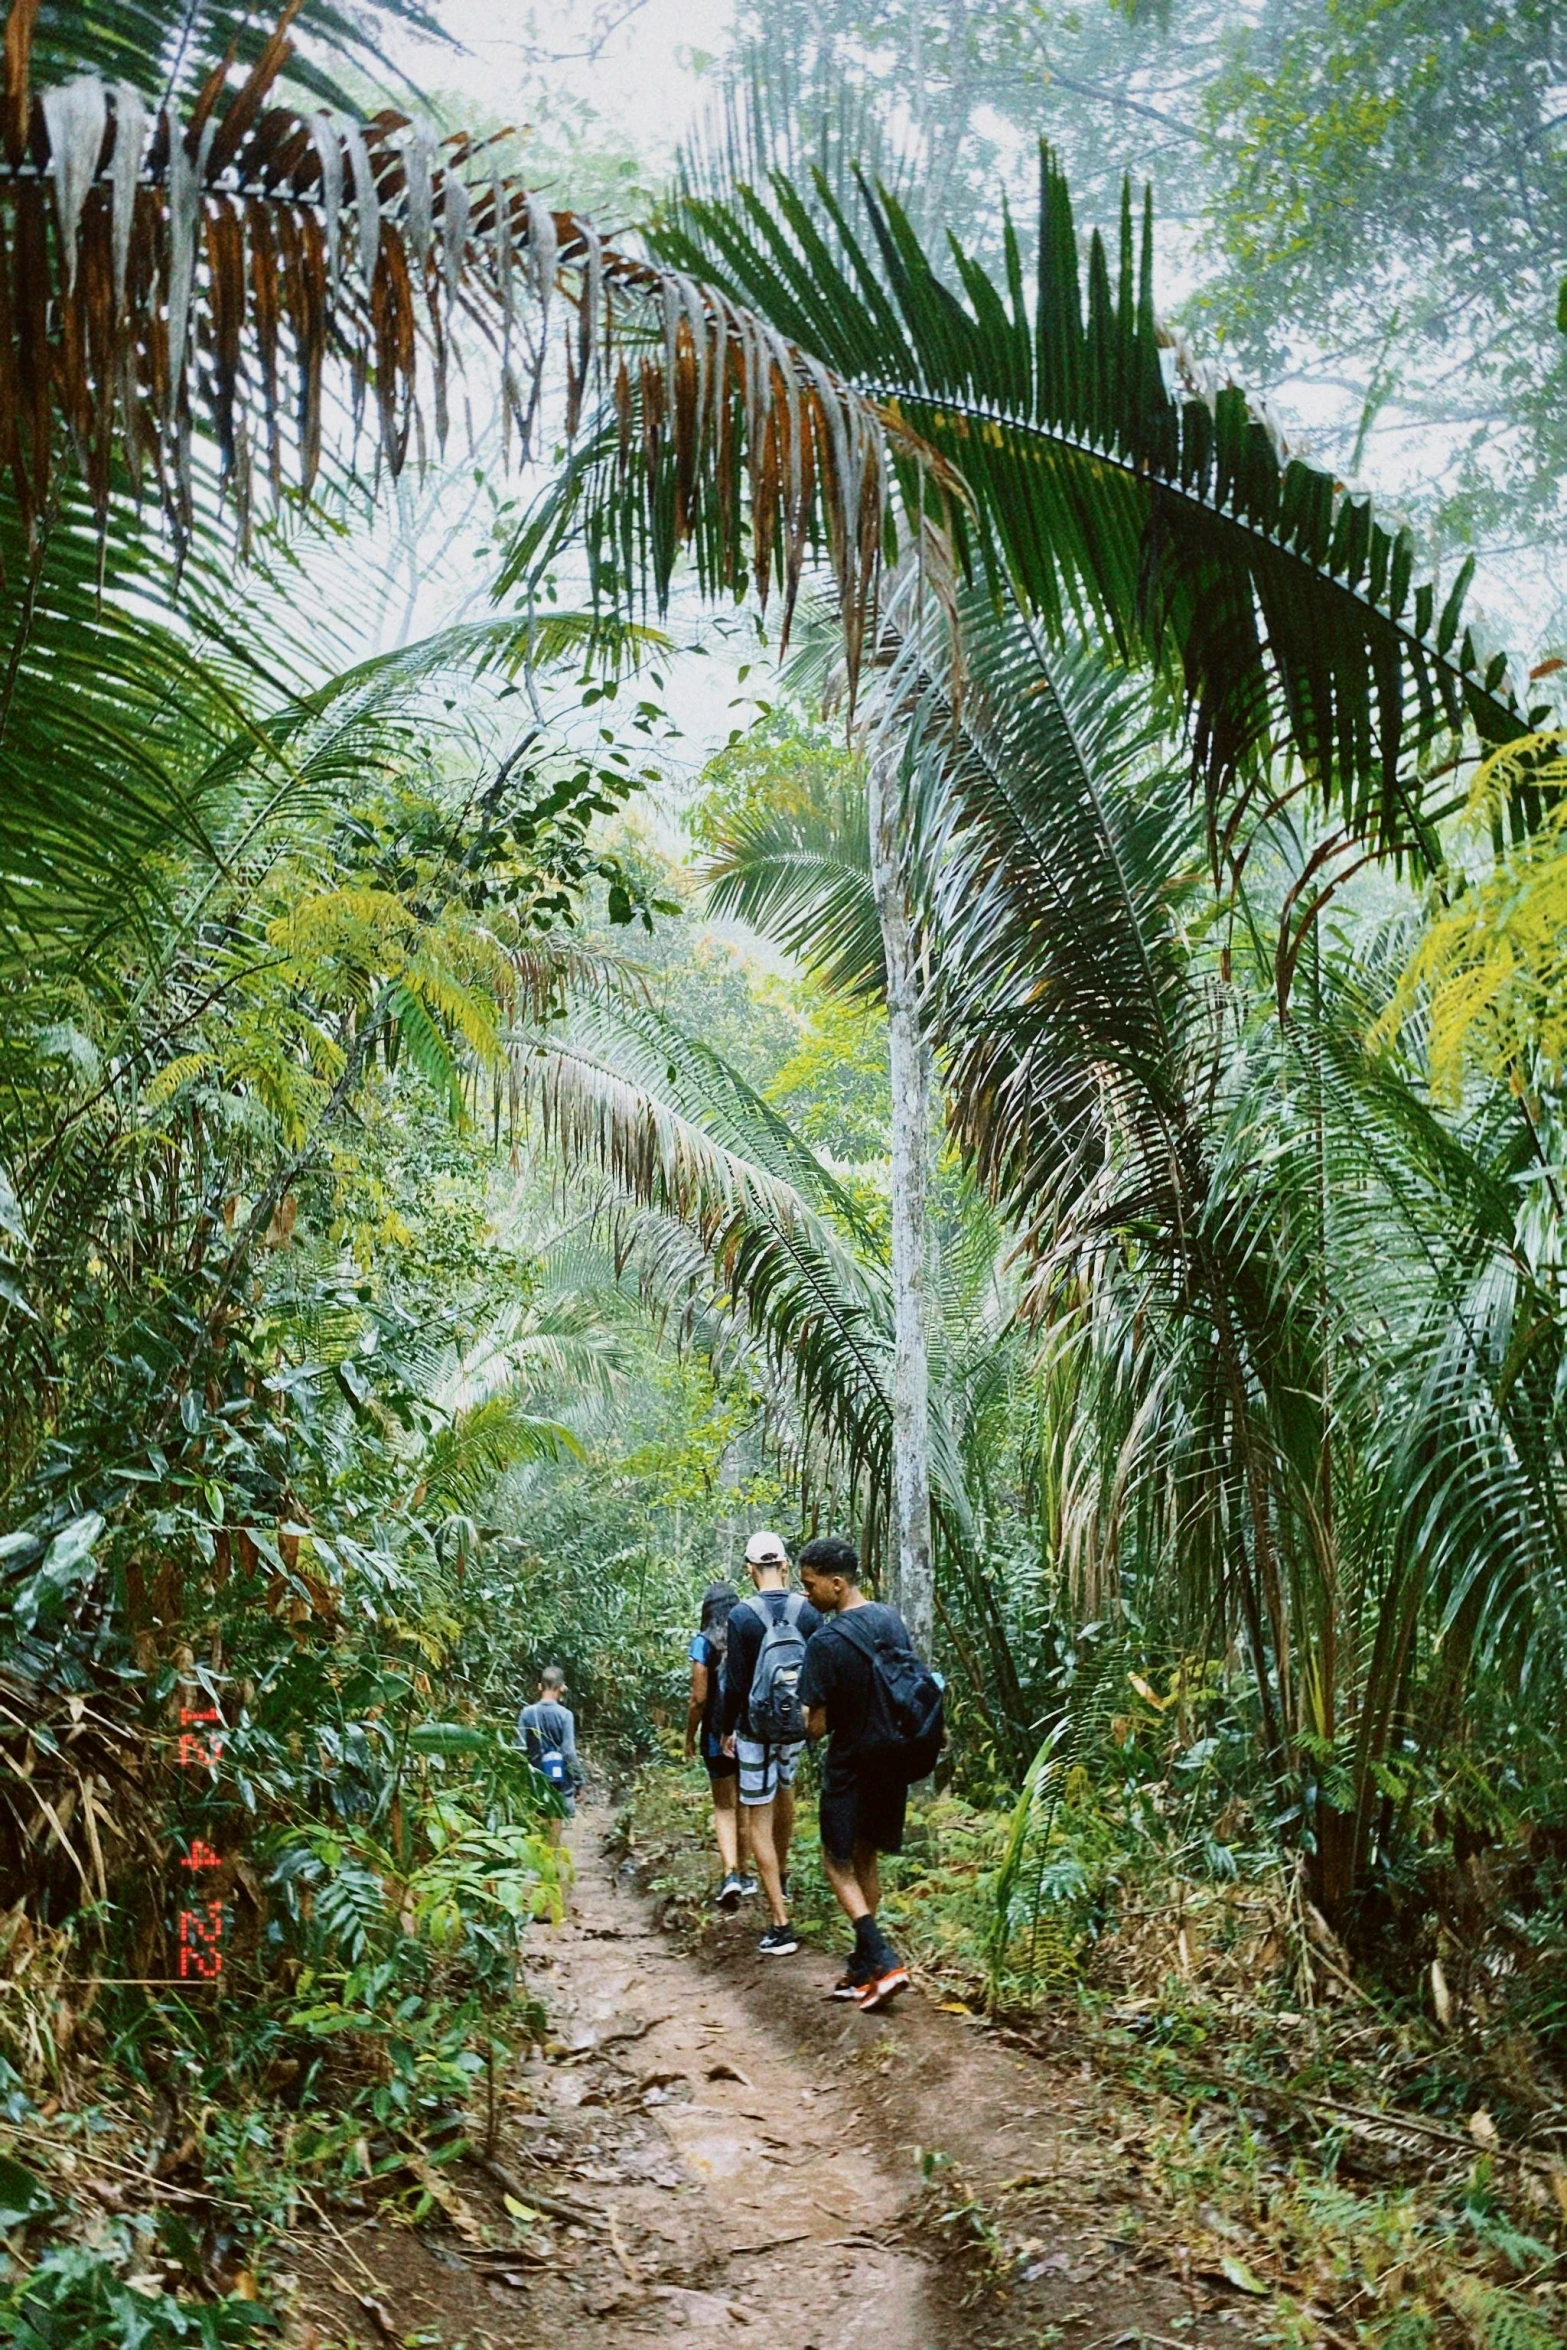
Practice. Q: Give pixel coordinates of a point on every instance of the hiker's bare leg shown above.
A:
(843, 1877)
(857, 1883)
(766, 1855)
(747, 1857)
(726, 1823)
(783, 1828)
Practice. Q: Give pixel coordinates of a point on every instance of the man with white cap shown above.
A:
(762, 1721)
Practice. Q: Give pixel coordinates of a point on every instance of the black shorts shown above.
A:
(856, 1810)
(721, 1765)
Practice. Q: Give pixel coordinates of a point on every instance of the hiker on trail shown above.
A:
(866, 1691)
(731, 1826)
(548, 1734)
(763, 1722)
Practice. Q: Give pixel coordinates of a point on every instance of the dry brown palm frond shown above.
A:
(159, 276)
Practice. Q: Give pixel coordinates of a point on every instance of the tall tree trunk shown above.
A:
(914, 1584)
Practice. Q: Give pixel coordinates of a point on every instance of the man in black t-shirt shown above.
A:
(862, 1806)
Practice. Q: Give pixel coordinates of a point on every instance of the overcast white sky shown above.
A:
(645, 79)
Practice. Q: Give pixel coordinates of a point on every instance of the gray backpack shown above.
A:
(775, 1713)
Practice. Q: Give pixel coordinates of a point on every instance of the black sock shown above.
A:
(868, 1940)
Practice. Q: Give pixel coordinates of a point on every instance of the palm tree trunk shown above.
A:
(914, 1583)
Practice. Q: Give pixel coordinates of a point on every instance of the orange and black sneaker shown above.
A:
(851, 1982)
(891, 1977)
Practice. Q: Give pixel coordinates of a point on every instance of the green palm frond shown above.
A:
(1059, 1002)
(689, 1130)
(712, 1222)
(730, 1228)
(110, 719)
(154, 42)
(1113, 487)
(481, 1445)
(800, 873)
(146, 753)
(560, 1346)
(727, 1210)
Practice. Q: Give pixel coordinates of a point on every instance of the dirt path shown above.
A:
(741, 2154)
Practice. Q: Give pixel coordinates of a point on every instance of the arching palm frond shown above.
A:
(146, 755)
(741, 1209)
(1060, 1001)
(478, 1446)
(1078, 1054)
(108, 720)
(1114, 484)
(1431, 1244)
(178, 43)
(801, 874)
(730, 1225)
(705, 1134)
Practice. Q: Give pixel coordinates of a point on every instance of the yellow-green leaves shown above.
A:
(1491, 967)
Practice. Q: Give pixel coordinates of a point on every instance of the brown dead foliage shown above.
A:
(225, 273)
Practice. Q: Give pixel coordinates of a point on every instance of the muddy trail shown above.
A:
(710, 2149)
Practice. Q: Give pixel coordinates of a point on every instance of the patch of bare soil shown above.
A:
(713, 2151)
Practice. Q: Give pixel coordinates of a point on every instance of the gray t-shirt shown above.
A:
(545, 1725)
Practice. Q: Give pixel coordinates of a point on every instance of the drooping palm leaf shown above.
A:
(1060, 1002)
(479, 1444)
(623, 1092)
(729, 1224)
(107, 717)
(256, 261)
(799, 872)
(1113, 485)
(177, 43)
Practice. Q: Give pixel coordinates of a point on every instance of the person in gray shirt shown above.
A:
(548, 1734)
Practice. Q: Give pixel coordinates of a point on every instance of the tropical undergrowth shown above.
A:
(270, 1850)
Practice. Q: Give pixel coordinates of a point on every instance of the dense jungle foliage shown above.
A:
(455, 1146)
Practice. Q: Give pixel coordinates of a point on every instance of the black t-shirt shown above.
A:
(745, 1646)
(840, 1676)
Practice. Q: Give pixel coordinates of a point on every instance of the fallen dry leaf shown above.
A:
(446, 2196)
(1236, 2273)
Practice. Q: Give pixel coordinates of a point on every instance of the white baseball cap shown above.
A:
(766, 1550)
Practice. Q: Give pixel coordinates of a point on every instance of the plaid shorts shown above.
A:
(764, 1769)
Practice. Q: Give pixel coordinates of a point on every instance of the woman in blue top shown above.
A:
(729, 1822)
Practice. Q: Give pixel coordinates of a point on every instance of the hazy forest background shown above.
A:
(484, 1018)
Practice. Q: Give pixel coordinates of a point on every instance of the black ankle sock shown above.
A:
(867, 1937)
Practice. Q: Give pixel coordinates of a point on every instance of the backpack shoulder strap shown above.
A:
(863, 1639)
(794, 1607)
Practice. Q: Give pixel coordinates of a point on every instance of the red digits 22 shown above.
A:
(201, 1941)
